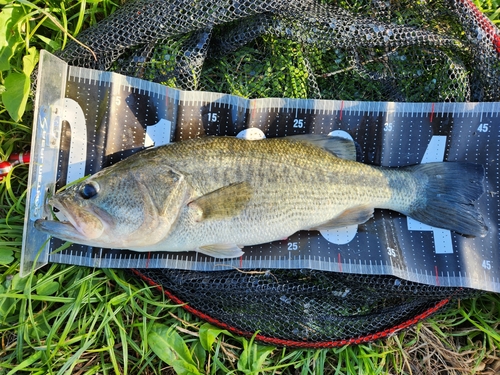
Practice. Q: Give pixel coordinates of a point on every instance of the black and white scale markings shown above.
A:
(89, 119)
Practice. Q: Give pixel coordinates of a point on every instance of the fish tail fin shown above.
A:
(446, 196)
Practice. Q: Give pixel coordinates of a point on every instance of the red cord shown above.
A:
(14, 159)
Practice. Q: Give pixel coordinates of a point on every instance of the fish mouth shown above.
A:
(63, 230)
(76, 223)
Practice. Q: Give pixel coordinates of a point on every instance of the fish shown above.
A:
(218, 194)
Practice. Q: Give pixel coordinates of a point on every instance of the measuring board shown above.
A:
(87, 119)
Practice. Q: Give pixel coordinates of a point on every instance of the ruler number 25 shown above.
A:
(298, 123)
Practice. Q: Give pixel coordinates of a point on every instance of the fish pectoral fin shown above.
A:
(355, 215)
(341, 147)
(222, 203)
(221, 250)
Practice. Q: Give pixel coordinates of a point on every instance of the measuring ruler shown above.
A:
(89, 119)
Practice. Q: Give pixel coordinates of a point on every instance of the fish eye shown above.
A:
(89, 190)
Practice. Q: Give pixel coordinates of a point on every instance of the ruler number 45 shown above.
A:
(483, 127)
(487, 264)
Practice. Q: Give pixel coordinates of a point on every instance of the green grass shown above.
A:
(67, 319)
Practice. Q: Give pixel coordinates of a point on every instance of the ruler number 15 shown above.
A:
(212, 117)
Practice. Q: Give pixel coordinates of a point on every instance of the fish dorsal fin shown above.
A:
(221, 250)
(341, 147)
(223, 203)
(354, 215)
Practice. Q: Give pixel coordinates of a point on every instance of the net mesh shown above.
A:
(376, 50)
(304, 308)
(439, 50)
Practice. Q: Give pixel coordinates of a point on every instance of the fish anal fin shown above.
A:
(222, 203)
(341, 147)
(221, 250)
(354, 215)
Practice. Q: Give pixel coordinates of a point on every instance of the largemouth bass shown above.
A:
(215, 195)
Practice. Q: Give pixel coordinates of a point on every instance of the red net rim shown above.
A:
(438, 305)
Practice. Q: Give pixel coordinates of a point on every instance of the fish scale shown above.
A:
(298, 189)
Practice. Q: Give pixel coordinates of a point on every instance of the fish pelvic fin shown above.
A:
(221, 250)
(222, 203)
(447, 195)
